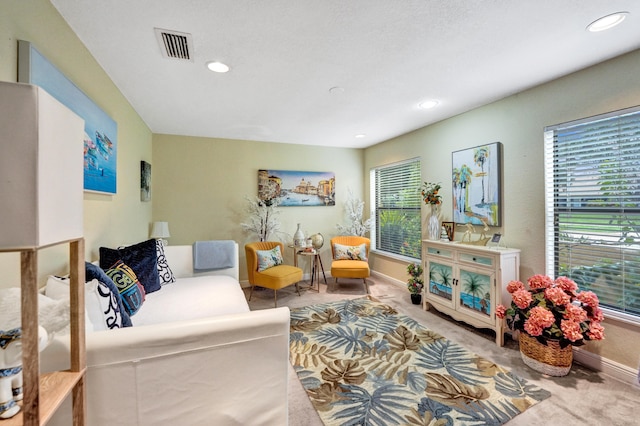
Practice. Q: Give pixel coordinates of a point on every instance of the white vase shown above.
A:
(433, 223)
(298, 237)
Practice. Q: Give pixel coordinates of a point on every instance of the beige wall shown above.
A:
(108, 219)
(518, 123)
(199, 186)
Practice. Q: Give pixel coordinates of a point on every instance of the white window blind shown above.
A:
(397, 201)
(592, 180)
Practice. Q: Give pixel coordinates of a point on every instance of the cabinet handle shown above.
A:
(475, 260)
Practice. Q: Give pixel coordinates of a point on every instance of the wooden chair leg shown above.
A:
(366, 285)
(251, 292)
(275, 298)
(298, 289)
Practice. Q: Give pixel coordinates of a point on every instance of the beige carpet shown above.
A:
(583, 397)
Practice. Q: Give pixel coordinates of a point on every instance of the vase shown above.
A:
(298, 237)
(548, 359)
(433, 223)
(416, 298)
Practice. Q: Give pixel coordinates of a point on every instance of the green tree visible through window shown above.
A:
(398, 224)
(593, 206)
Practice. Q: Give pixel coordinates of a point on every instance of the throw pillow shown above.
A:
(342, 252)
(164, 271)
(94, 272)
(129, 287)
(269, 258)
(57, 288)
(141, 257)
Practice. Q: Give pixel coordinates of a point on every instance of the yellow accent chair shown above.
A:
(350, 268)
(274, 278)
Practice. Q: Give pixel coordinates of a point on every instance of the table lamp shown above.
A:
(160, 231)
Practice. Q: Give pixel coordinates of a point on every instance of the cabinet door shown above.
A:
(476, 293)
(440, 282)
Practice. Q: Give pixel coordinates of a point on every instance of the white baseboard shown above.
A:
(609, 367)
(390, 279)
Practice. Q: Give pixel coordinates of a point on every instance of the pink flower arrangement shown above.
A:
(553, 310)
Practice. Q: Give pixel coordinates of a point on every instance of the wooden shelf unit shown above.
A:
(43, 394)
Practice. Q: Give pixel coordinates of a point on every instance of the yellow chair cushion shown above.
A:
(278, 277)
(350, 269)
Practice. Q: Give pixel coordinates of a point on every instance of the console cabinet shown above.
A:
(467, 282)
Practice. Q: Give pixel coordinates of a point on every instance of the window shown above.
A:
(396, 208)
(592, 187)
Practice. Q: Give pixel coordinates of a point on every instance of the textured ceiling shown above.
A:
(386, 56)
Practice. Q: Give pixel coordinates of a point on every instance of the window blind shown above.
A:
(592, 182)
(396, 190)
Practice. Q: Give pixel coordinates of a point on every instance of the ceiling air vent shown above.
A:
(175, 45)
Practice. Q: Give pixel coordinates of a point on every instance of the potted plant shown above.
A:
(551, 316)
(415, 283)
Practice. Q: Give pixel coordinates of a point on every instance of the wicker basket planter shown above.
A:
(548, 359)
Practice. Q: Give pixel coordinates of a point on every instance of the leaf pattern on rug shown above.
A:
(362, 363)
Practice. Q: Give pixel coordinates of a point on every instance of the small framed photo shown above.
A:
(496, 238)
(450, 228)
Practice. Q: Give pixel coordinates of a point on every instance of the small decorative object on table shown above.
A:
(552, 315)
(433, 200)
(298, 238)
(415, 283)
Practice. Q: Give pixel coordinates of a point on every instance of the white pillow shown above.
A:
(57, 288)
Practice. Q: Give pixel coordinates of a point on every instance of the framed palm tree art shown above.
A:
(477, 185)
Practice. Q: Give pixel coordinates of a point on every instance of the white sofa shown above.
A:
(196, 355)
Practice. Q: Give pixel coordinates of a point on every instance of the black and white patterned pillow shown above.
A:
(164, 271)
(111, 315)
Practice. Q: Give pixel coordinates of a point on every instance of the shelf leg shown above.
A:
(30, 364)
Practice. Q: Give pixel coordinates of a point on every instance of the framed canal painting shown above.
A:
(100, 131)
(476, 185)
(297, 188)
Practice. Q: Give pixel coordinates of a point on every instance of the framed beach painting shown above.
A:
(476, 184)
(100, 132)
(297, 188)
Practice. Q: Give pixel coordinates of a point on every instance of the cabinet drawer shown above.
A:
(440, 252)
(478, 260)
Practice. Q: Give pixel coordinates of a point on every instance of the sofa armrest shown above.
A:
(187, 372)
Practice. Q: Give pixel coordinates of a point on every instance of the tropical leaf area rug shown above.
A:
(363, 363)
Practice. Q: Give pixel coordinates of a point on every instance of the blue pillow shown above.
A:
(141, 257)
(94, 272)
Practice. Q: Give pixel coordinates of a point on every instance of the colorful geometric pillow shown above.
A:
(165, 273)
(141, 257)
(118, 314)
(130, 289)
(343, 252)
(269, 258)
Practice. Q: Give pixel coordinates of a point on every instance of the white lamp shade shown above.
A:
(41, 169)
(160, 230)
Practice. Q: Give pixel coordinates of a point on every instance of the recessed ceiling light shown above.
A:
(361, 135)
(431, 103)
(607, 22)
(337, 90)
(217, 66)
